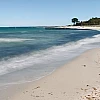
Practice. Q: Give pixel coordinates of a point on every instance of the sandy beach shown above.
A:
(77, 80)
(80, 27)
(50, 50)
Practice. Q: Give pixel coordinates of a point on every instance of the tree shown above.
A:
(75, 20)
(92, 21)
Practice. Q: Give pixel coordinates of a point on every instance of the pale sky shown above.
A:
(46, 12)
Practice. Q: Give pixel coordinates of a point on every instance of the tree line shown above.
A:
(92, 21)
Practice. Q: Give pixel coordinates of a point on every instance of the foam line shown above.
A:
(13, 39)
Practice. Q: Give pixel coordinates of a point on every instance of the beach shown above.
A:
(39, 64)
(49, 50)
(77, 80)
(76, 27)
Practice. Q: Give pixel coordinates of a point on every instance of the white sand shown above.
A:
(77, 80)
(82, 27)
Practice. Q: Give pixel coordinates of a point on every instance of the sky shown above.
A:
(46, 12)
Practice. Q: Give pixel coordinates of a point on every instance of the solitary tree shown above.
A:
(75, 20)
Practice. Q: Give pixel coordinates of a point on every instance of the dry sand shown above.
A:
(77, 80)
(82, 27)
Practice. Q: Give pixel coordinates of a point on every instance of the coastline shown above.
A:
(73, 81)
(74, 28)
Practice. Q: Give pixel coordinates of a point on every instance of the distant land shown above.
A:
(93, 23)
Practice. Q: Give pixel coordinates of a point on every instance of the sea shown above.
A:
(30, 53)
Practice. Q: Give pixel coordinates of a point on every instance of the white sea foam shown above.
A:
(94, 39)
(23, 31)
(96, 35)
(13, 39)
(75, 33)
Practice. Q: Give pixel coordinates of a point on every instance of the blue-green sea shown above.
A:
(29, 53)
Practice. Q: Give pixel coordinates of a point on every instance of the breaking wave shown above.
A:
(44, 56)
(13, 40)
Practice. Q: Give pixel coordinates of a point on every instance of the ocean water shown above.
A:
(29, 53)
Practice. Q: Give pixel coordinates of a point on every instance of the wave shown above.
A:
(14, 40)
(23, 31)
(96, 36)
(74, 33)
(55, 53)
(94, 39)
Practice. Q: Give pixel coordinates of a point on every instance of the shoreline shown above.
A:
(73, 28)
(48, 87)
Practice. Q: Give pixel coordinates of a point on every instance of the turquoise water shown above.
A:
(28, 53)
